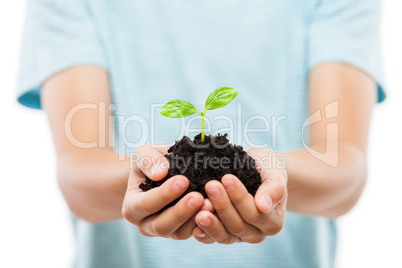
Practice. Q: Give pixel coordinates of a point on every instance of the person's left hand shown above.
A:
(238, 216)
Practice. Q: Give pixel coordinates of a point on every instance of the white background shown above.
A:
(35, 230)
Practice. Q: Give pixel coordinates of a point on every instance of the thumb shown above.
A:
(159, 170)
(271, 192)
(151, 162)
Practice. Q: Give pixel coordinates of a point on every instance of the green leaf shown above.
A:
(178, 108)
(220, 97)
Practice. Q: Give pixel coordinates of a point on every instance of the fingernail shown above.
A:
(179, 185)
(207, 207)
(266, 202)
(205, 222)
(155, 167)
(193, 203)
(159, 165)
(229, 184)
(201, 235)
(213, 192)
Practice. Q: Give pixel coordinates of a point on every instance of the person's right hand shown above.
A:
(142, 208)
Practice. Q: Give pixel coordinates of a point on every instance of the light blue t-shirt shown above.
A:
(155, 51)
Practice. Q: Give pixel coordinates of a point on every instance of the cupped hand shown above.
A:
(142, 208)
(240, 217)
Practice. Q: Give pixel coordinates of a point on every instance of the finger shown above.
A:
(167, 222)
(272, 190)
(138, 205)
(214, 229)
(200, 236)
(135, 178)
(242, 200)
(227, 213)
(185, 230)
(208, 206)
(268, 223)
(151, 160)
(274, 180)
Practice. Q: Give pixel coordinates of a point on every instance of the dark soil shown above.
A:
(211, 160)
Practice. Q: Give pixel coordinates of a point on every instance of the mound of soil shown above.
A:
(211, 160)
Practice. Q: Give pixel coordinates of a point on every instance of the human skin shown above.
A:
(99, 187)
(313, 186)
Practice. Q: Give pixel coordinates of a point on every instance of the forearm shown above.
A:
(93, 183)
(343, 95)
(316, 188)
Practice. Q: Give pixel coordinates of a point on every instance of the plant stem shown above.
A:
(202, 128)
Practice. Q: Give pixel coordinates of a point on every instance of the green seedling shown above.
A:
(178, 108)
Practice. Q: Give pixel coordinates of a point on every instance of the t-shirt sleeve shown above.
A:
(348, 31)
(58, 34)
